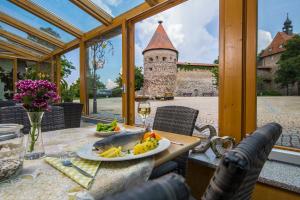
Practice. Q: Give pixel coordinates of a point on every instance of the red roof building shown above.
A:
(160, 40)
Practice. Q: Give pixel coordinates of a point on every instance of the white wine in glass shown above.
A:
(144, 111)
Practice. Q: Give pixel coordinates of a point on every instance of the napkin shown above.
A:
(89, 166)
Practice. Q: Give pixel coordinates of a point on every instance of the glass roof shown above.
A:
(32, 20)
(24, 35)
(117, 7)
(70, 13)
(19, 45)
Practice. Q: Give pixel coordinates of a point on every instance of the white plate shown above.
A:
(86, 152)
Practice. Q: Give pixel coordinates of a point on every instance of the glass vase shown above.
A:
(35, 145)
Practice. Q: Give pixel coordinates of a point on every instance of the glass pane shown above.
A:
(23, 66)
(177, 65)
(30, 19)
(6, 79)
(70, 13)
(26, 36)
(116, 8)
(105, 101)
(278, 83)
(19, 45)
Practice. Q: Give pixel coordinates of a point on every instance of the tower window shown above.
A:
(164, 58)
(151, 59)
(156, 57)
(150, 69)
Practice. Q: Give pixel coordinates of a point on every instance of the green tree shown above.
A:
(288, 72)
(215, 74)
(139, 79)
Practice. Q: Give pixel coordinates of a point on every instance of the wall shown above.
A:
(194, 82)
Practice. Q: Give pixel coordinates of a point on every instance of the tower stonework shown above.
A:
(160, 65)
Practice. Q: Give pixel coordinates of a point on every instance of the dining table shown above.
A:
(39, 180)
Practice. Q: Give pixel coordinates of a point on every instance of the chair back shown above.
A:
(72, 114)
(239, 169)
(169, 187)
(52, 120)
(7, 103)
(175, 119)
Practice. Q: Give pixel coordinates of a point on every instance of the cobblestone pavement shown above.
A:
(284, 110)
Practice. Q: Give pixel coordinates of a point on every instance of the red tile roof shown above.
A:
(275, 47)
(160, 40)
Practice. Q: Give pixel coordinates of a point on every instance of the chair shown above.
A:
(52, 120)
(72, 114)
(7, 103)
(239, 169)
(175, 119)
(169, 187)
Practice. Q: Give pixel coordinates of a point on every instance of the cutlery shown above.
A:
(178, 143)
(68, 163)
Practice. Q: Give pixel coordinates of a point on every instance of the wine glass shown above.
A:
(144, 111)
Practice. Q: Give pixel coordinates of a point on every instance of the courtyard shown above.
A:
(282, 109)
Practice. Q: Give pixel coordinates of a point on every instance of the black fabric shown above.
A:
(163, 169)
(236, 176)
(169, 187)
(7, 103)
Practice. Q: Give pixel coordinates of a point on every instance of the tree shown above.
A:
(139, 79)
(98, 51)
(288, 72)
(215, 74)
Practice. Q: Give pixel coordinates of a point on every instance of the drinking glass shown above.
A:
(144, 111)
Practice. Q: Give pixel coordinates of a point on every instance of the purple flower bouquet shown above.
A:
(36, 95)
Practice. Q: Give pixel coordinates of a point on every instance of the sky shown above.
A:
(193, 28)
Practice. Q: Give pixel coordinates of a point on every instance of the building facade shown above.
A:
(267, 64)
(164, 76)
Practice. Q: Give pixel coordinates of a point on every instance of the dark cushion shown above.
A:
(163, 169)
(169, 187)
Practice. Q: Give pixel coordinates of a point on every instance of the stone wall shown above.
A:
(160, 72)
(195, 83)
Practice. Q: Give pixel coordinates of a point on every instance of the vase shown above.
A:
(35, 146)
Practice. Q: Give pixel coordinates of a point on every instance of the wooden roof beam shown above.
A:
(25, 42)
(93, 10)
(18, 50)
(29, 29)
(152, 2)
(15, 56)
(47, 16)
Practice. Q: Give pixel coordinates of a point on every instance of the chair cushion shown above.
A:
(164, 169)
(169, 187)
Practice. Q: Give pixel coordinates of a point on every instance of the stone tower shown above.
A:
(160, 65)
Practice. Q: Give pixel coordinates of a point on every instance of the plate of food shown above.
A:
(125, 146)
(104, 130)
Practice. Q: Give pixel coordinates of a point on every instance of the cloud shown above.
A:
(110, 84)
(264, 38)
(104, 5)
(187, 26)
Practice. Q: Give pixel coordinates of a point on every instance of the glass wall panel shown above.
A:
(6, 79)
(70, 13)
(103, 77)
(116, 8)
(278, 74)
(183, 70)
(32, 20)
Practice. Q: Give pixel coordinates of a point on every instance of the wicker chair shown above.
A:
(7, 103)
(169, 187)
(175, 119)
(72, 114)
(52, 120)
(239, 169)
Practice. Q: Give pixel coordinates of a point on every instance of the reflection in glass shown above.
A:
(6, 79)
